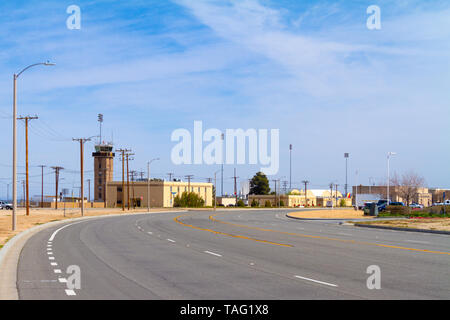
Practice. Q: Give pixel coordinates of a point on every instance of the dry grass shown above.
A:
(40, 216)
(330, 214)
(426, 224)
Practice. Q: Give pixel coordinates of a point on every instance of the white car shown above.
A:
(5, 206)
(437, 204)
(416, 206)
(447, 203)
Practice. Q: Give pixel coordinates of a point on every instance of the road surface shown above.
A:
(231, 255)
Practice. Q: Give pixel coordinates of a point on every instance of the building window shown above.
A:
(119, 189)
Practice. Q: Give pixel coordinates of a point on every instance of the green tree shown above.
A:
(188, 200)
(259, 185)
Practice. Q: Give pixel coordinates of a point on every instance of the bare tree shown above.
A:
(407, 187)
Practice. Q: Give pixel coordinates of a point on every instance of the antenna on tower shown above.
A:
(100, 120)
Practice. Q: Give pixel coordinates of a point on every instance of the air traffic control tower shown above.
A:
(103, 169)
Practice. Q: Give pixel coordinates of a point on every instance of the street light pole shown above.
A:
(346, 156)
(14, 177)
(148, 183)
(388, 175)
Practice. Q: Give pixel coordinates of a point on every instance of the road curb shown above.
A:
(10, 253)
(402, 229)
(320, 219)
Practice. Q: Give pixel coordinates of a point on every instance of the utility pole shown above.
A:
(235, 185)
(223, 138)
(128, 178)
(170, 176)
(42, 185)
(189, 177)
(275, 181)
(57, 169)
(82, 141)
(331, 194)
(23, 186)
(27, 119)
(133, 173)
(306, 192)
(285, 186)
(290, 167)
(89, 190)
(346, 156)
(123, 175)
(335, 194)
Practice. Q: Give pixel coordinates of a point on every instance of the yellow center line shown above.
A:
(228, 234)
(327, 238)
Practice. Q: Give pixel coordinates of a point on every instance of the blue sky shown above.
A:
(309, 68)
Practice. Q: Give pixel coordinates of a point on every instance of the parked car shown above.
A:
(397, 204)
(382, 204)
(437, 204)
(416, 206)
(447, 203)
(5, 206)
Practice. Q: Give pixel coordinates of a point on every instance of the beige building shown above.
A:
(423, 195)
(162, 193)
(296, 198)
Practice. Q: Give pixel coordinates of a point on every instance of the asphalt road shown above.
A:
(231, 255)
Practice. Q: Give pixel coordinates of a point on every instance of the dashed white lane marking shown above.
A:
(51, 258)
(317, 281)
(171, 240)
(150, 232)
(70, 292)
(416, 241)
(344, 234)
(49, 253)
(57, 271)
(57, 230)
(49, 249)
(214, 254)
(53, 264)
(62, 280)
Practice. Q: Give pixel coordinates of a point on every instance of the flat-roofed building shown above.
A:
(162, 193)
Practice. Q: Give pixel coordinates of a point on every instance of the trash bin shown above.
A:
(373, 209)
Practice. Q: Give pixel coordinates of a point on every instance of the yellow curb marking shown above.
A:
(327, 238)
(228, 234)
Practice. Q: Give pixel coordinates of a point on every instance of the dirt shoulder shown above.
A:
(41, 216)
(330, 214)
(439, 224)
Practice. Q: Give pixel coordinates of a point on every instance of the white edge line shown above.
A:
(171, 240)
(317, 281)
(70, 292)
(214, 254)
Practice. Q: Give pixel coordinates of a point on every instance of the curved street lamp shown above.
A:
(14, 182)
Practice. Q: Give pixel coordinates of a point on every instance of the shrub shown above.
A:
(268, 204)
(342, 203)
(398, 210)
(189, 200)
(281, 203)
(254, 203)
(240, 203)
